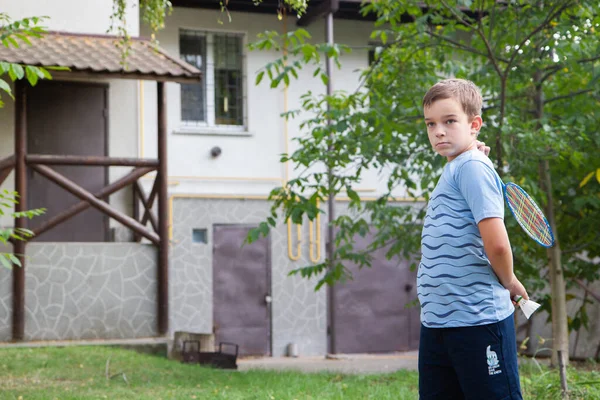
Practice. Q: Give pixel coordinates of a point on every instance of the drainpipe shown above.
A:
(334, 5)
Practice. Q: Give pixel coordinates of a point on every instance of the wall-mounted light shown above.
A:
(215, 152)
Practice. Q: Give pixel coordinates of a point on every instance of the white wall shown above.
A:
(249, 164)
(76, 16)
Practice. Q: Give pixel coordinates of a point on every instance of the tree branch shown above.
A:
(587, 289)
(491, 56)
(541, 26)
(577, 249)
(570, 95)
(488, 46)
(552, 70)
(456, 15)
(462, 46)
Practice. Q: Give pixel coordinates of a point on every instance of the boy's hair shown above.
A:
(462, 90)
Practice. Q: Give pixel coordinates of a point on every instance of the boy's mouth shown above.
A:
(442, 144)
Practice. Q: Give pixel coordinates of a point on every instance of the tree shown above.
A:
(7, 200)
(24, 29)
(536, 62)
(154, 12)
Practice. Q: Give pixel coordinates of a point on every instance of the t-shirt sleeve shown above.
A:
(482, 189)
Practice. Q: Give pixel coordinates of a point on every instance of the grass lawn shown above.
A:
(81, 373)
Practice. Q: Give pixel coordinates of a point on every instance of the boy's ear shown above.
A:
(476, 124)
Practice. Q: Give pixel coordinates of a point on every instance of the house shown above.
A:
(99, 139)
(91, 144)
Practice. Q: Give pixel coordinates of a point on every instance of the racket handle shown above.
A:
(516, 298)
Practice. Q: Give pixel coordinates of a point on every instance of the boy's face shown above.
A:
(451, 132)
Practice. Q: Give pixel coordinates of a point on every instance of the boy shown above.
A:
(465, 280)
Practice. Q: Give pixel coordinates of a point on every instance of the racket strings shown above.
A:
(528, 215)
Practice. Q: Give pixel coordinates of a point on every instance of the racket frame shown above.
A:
(537, 208)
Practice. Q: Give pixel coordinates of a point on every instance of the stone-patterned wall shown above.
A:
(299, 313)
(5, 299)
(88, 291)
(541, 327)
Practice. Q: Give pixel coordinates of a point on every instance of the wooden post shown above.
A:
(18, 316)
(136, 210)
(163, 228)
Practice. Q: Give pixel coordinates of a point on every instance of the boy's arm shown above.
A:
(497, 248)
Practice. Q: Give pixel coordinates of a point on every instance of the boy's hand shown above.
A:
(515, 287)
(483, 148)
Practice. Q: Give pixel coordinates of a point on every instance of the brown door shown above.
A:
(370, 313)
(241, 290)
(67, 119)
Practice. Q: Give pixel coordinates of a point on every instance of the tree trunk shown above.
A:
(560, 331)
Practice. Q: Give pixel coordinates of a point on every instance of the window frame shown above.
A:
(209, 126)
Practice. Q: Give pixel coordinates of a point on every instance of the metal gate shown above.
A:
(370, 313)
(242, 290)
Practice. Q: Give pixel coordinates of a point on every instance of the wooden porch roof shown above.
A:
(100, 55)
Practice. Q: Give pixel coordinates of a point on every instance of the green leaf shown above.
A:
(253, 235)
(324, 79)
(17, 70)
(353, 195)
(4, 86)
(24, 38)
(45, 73)
(259, 77)
(11, 73)
(32, 75)
(15, 260)
(4, 260)
(13, 42)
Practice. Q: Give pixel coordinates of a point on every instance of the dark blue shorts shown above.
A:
(471, 363)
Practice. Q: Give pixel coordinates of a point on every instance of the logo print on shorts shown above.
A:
(492, 361)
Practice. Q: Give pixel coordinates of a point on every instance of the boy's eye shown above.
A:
(430, 124)
(451, 121)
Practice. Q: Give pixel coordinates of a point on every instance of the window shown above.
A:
(199, 236)
(218, 101)
(371, 56)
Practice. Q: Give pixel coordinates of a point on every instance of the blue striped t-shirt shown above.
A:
(456, 284)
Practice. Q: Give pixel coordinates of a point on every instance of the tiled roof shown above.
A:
(98, 54)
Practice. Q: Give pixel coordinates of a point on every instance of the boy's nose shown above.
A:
(440, 133)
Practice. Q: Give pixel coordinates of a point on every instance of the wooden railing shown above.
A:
(41, 163)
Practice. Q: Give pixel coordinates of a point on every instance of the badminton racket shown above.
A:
(527, 213)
